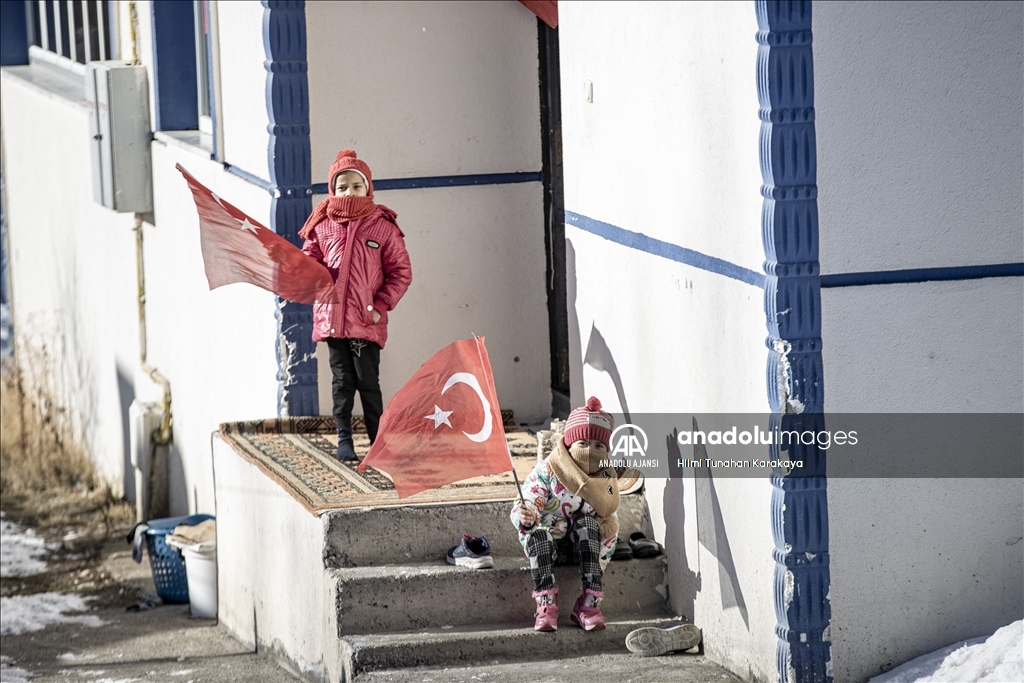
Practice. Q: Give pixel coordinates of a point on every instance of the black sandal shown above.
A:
(643, 547)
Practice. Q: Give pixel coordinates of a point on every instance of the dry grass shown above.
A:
(46, 477)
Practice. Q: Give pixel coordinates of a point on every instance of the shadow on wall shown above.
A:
(126, 394)
(675, 534)
(711, 534)
(599, 357)
(575, 348)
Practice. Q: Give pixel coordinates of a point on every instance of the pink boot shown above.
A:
(547, 610)
(587, 611)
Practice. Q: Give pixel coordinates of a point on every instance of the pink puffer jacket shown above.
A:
(371, 270)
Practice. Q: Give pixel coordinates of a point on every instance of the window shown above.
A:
(203, 72)
(76, 30)
(182, 65)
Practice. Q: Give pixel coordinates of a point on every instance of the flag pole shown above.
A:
(490, 378)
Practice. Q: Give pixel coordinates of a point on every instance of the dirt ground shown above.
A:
(93, 559)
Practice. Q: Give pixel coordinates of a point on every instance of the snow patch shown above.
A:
(13, 674)
(72, 657)
(21, 550)
(993, 659)
(27, 613)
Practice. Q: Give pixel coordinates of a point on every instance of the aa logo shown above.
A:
(631, 443)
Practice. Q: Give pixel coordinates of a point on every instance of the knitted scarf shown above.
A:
(598, 486)
(341, 210)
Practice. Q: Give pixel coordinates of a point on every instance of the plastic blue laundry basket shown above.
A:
(167, 564)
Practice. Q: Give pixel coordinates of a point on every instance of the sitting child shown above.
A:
(569, 516)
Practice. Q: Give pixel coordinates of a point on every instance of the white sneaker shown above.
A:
(653, 642)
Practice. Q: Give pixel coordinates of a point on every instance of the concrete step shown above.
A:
(365, 537)
(435, 595)
(485, 645)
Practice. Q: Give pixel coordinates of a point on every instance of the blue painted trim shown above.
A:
(250, 178)
(174, 65)
(288, 159)
(792, 306)
(446, 181)
(656, 247)
(14, 33)
(890, 277)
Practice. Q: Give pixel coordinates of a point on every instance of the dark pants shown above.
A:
(581, 545)
(355, 364)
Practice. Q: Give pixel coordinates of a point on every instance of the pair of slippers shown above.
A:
(638, 546)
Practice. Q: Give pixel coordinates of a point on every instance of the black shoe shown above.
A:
(346, 453)
(622, 550)
(643, 547)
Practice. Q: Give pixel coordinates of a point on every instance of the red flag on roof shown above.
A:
(444, 425)
(547, 10)
(238, 249)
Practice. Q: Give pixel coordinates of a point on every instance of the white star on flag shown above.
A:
(246, 225)
(439, 417)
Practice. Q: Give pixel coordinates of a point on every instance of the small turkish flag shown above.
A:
(444, 425)
(238, 249)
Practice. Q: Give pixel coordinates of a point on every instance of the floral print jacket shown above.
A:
(557, 505)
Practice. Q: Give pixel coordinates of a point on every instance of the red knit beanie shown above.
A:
(347, 161)
(589, 422)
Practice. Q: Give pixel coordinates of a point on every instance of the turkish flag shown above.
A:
(238, 249)
(444, 425)
(547, 10)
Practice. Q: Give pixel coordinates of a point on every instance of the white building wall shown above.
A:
(669, 148)
(217, 347)
(920, 166)
(433, 89)
(72, 268)
(73, 272)
(243, 78)
(298, 626)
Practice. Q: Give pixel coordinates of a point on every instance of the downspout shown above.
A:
(151, 432)
(162, 435)
(154, 474)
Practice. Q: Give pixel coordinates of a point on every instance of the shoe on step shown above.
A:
(546, 616)
(586, 613)
(643, 547)
(653, 642)
(474, 552)
(346, 452)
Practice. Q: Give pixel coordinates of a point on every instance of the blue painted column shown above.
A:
(792, 304)
(288, 156)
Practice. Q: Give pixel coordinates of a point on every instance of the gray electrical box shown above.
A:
(118, 97)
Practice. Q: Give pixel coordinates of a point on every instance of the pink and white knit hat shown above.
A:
(589, 422)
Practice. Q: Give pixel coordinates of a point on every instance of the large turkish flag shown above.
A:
(444, 425)
(238, 249)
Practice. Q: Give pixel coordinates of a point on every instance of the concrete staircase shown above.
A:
(343, 592)
(399, 604)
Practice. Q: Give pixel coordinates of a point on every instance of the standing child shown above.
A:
(571, 499)
(363, 248)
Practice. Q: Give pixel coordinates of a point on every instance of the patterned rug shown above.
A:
(298, 453)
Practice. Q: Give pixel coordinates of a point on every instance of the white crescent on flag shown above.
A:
(471, 380)
(411, 446)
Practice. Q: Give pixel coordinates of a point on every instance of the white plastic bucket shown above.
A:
(201, 570)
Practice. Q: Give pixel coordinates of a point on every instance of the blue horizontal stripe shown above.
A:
(446, 181)
(889, 277)
(250, 177)
(673, 252)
